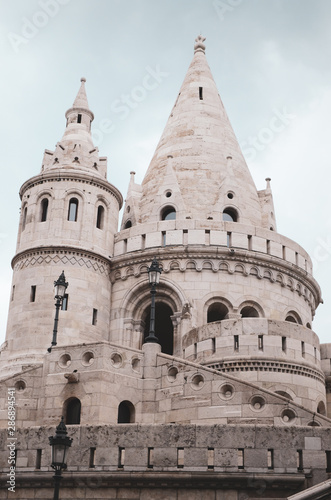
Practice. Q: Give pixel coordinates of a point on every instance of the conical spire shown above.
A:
(81, 99)
(76, 149)
(207, 161)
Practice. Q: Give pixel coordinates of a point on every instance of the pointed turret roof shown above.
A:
(81, 99)
(76, 149)
(207, 164)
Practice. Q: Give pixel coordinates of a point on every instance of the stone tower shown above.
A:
(69, 216)
(233, 401)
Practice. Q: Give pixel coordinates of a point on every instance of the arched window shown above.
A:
(100, 217)
(44, 210)
(249, 312)
(168, 213)
(72, 408)
(293, 317)
(128, 224)
(73, 209)
(321, 408)
(126, 413)
(230, 215)
(163, 326)
(25, 214)
(216, 312)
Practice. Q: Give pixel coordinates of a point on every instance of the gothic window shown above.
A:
(128, 224)
(126, 413)
(44, 210)
(72, 411)
(168, 213)
(230, 215)
(100, 217)
(73, 210)
(216, 312)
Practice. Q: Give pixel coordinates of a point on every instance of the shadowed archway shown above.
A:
(163, 326)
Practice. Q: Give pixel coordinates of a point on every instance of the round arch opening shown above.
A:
(164, 330)
(126, 413)
(217, 312)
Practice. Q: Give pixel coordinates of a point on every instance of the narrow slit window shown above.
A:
(302, 349)
(180, 458)
(284, 252)
(25, 214)
(201, 93)
(240, 458)
(195, 350)
(268, 246)
(210, 458)
(270, 459)
(38, 459)
(73, 210)
(213, 345)
(44, 210)
(100, 217)
(94, 317)
(150, 461)
(13, 293)
(328, 460)
(284, 344)
(64, 306)
(33, 293)
(236, 342)
(121, 457)
(299, 460)
(228, 240)
(79, 118)
(164, 238)
(249, 238)
(92, 458)
(260, 342)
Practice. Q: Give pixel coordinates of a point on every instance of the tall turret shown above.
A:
(69, 216)
(234, 293)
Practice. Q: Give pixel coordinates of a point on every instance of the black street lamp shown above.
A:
(154, 272)
(60, 290)
(60, 444)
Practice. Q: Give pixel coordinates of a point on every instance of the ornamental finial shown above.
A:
(199, 45)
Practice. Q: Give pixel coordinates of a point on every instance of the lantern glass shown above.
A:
(59, 453)
(154, 277)
(60, 290)
(154, 272)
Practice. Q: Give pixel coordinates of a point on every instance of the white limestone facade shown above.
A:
(235, 306)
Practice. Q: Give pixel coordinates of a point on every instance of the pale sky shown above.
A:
(270, 59)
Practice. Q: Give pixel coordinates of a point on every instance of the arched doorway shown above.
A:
(72, 409)
(163, 326)
(126, 413)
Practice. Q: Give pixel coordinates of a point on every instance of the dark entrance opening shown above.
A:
(163, 326)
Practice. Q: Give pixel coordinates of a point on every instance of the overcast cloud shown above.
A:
(269, 58)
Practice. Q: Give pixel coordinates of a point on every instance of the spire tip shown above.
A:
(199, 46)
(83, 79)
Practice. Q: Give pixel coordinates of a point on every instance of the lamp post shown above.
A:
(60, 444)
(60, 290)
(154, 272)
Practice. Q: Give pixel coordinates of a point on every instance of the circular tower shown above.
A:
(235, 294)
(69, 216)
